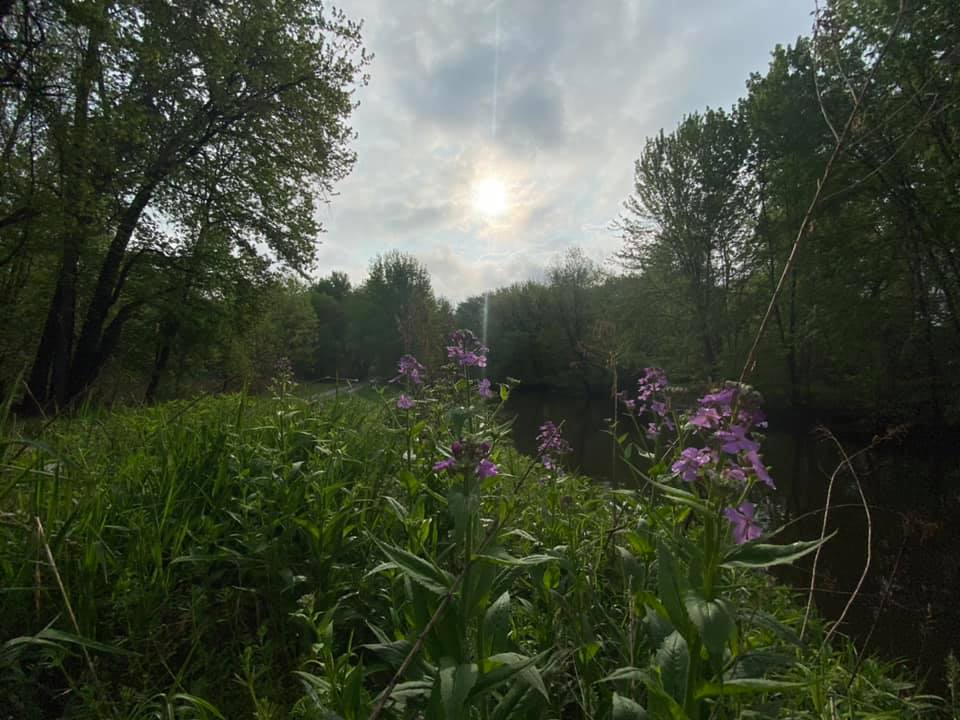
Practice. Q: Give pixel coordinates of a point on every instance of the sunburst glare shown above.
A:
(490, 197)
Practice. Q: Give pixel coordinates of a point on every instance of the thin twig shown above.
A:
(66, 599)
(847, 462)
(887, 592)
(751, 360)
(869, 559)
(816, 555)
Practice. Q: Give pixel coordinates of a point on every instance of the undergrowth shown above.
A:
(350, 558)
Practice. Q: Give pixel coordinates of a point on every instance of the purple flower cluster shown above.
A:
(651, 398)
(550, 445)
(404, 402)
(467, 455)
(691, 461)
(466, 350)
(715, 420)
(410, 369)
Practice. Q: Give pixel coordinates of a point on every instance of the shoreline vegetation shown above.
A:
(391, 555)
(377, 555)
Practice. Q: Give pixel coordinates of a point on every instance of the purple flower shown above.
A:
(483, 388)
(410, 369)
(735, 440)
(447, 464)
(722, 399)
(466, 350)
(735, 474)
(551, 444)
(652, 382)
(466, 454)
(760, 469)
(404, 402)
(486, 469)
(745, 528)
(690, 462)
(706, 418)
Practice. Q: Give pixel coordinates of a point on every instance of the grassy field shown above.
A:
(286, 558)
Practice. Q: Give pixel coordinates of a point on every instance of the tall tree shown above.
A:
(690, 210)
(158, 105)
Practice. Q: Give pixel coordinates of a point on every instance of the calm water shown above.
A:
(909, 608)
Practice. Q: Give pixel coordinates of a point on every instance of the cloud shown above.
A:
(554, 98)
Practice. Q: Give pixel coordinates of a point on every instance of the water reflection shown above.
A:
(908, 609)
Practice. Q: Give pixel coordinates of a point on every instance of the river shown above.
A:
(908, 610)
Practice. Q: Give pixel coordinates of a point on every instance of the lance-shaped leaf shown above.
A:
(416, 568)
(760, 555)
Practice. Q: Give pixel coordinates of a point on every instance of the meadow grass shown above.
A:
(280, 558)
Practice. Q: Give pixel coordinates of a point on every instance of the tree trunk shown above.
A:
(92, 347)
(49, 377)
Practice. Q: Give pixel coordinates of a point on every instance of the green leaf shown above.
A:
(412, 689)
(393, 653)
(713, 620)
(669, 586)
(504, 558)
(398, 509)
(461, 508)
(496, 625)
(504, 666)
(673, 659)
(759, 555)
(768, 622)
(59, 636)
(456, 682)
(409, 480)
(199, 703)
(417, 569)
(476, 589)
(629, 674)
(681, 497)
(626, 709)
(504, 393)
(745, 686)
(631, 567)
(658, 627)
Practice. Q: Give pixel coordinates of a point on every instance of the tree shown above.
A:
(573, 281)
(160, 107)
(690, 211)
(407, 318)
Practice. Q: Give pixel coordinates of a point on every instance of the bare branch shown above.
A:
(751, 360)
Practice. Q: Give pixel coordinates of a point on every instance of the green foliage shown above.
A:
(280, 558)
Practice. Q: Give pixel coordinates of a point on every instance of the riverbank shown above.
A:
(238, 557)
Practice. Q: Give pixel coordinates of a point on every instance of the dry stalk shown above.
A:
(66, 599)
(866, 510)
(845, 462)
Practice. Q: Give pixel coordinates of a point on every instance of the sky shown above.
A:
(495, 135)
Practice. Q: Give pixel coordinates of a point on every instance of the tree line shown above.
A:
(156, 218)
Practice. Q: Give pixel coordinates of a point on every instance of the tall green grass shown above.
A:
(237, 557)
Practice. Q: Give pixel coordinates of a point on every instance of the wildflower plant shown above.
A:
(703, 467)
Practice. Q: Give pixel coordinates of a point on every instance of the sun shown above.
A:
(490, 197)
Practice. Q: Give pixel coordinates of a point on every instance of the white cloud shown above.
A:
(580, 86)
